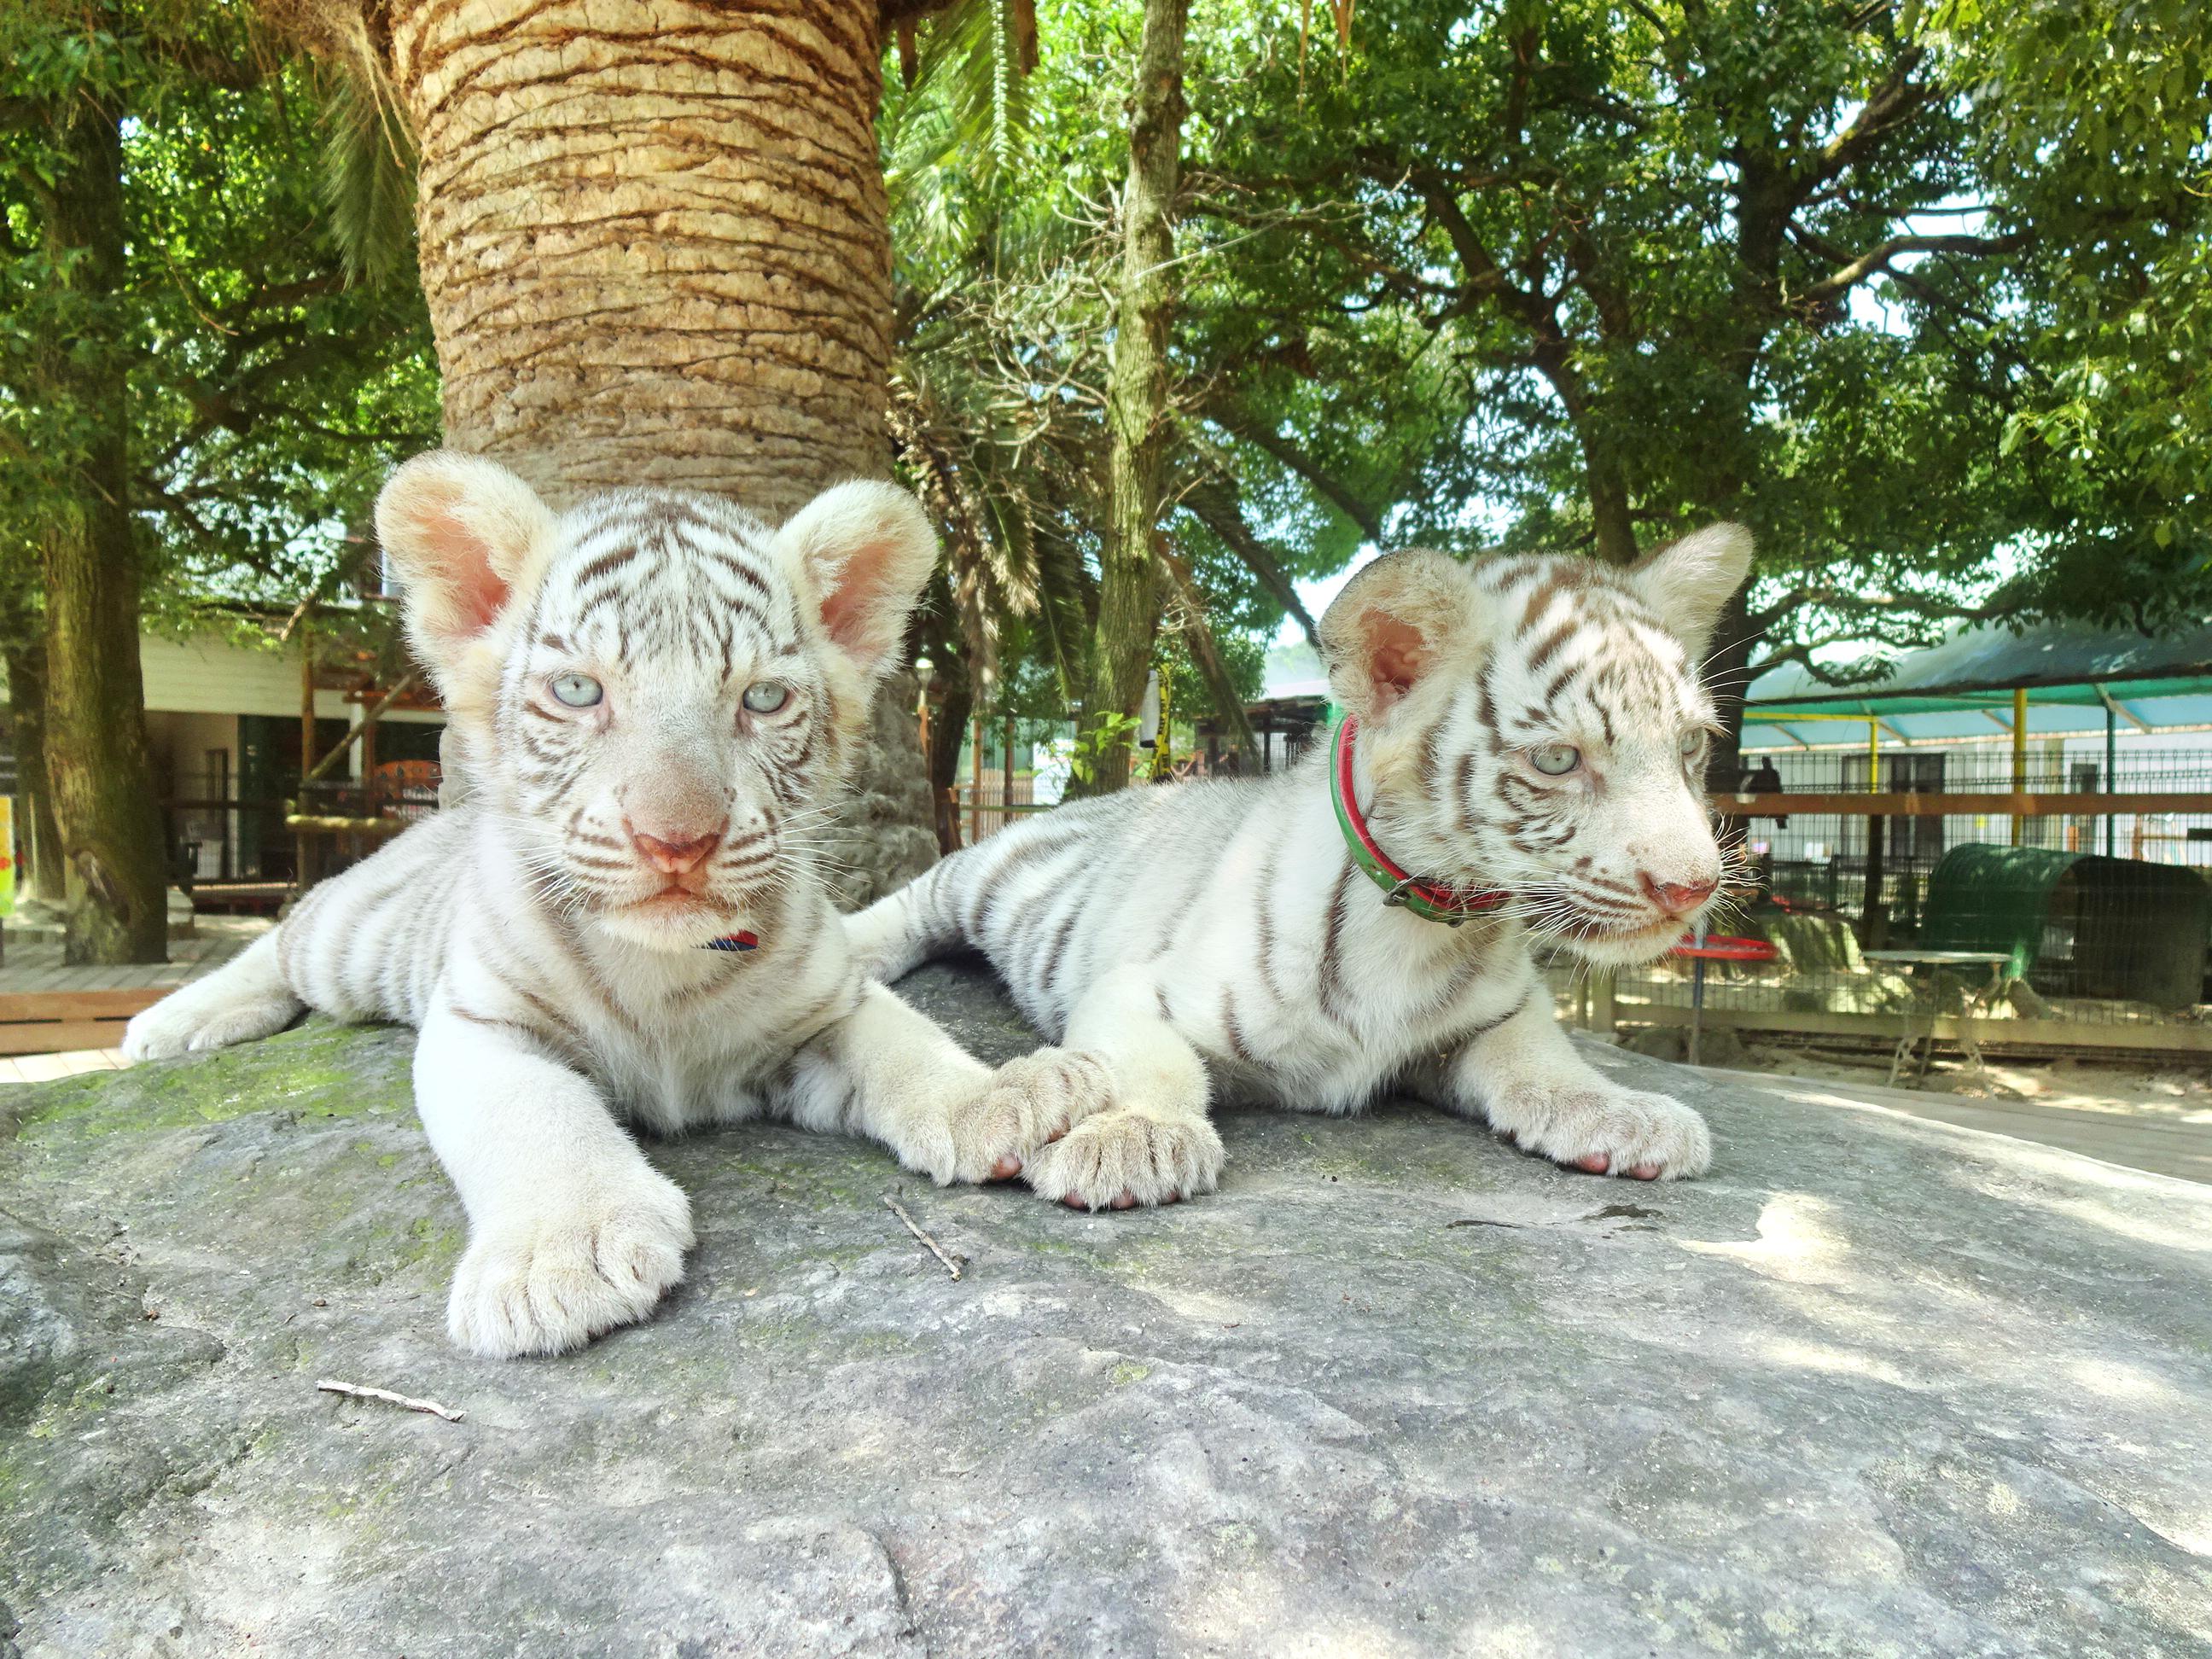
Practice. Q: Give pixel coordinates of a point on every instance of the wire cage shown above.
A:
(2048, 924)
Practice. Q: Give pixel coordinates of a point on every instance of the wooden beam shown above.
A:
(314, 823)
(369, 718)
(1916, 806)
(20, 1005)
(61, 1037)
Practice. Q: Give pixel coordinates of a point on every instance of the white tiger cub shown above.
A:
(1527, 734)
(656, 692)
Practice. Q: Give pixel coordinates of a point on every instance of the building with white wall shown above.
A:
(223, 718)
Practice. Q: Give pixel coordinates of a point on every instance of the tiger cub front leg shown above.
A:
(888, 1071)
(571, 1231)
(1154, 1144)
(1525, 1077)
(245, 998)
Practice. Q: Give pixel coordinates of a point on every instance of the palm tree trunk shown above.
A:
(1129, 588)
(655, 245)
(100, 775)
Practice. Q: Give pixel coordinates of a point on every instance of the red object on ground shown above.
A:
(1724, 947)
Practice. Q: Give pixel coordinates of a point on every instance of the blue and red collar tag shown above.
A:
(739, 940)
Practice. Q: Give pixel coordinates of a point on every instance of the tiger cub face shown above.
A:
(1539, 726)
(653, 688)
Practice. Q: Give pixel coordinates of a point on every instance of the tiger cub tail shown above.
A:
(919, 923)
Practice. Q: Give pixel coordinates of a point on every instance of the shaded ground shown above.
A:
(1875, 1386)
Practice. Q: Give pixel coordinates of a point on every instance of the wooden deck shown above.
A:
(33, 961)
(57, 1019)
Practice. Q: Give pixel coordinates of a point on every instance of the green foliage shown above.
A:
(1921, 292)
(2099, 133)
(369, 174)
(1875, 287)
(268, 390)
(1109, 740)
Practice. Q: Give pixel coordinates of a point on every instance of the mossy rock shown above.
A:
(1875, 1385)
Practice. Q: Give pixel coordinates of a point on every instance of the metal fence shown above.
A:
(2062, 926)
(231, 850)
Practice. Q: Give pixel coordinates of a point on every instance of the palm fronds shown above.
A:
(369, 165)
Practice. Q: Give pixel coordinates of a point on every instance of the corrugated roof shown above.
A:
(1978, 662)
(1964, 686)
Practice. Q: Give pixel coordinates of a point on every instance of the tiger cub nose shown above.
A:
(1677, 898)
(676, 857)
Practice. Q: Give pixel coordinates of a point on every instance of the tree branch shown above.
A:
(1205, 651)
(1861, 602)
(1212, 504)
(1877, 259)
(1895, 102)
(1238, 424)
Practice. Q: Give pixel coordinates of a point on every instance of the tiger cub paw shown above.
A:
(549, 1283)
(1025, 1105)
(206, 1015)
(1118, 1159)
(1605, 1130)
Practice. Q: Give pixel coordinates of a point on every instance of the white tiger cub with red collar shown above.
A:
(657, 694)
(1522, 757)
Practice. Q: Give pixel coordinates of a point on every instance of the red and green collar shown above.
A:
(1431, 900)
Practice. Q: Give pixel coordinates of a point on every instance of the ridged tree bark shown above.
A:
(655, 244)
(40, 837)
(97, 763)
(1130, 587)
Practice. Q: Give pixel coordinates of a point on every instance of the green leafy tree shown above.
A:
(2098, 133)
(1650, 264)
(1012, 264)
(194, 396)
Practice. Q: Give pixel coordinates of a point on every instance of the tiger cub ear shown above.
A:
(1394, 621)
(1688, 582)
(466, 536)
(859, 553)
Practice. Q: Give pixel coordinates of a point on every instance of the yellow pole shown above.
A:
(1874, 755)
(2018, 757)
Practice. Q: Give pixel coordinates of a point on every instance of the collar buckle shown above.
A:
(1429, 901)
(1401, 894)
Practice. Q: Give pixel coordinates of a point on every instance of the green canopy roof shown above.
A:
(1963, 688)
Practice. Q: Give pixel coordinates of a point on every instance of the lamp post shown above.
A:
(922, 669)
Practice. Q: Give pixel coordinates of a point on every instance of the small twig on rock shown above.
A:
(330, 1385)
(951, 1262)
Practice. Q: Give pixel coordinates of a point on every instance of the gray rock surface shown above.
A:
(1875, 1386)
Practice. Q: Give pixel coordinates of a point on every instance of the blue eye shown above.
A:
(766, 696)
(1555, 760)
(577, 690)
(1692, 741)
